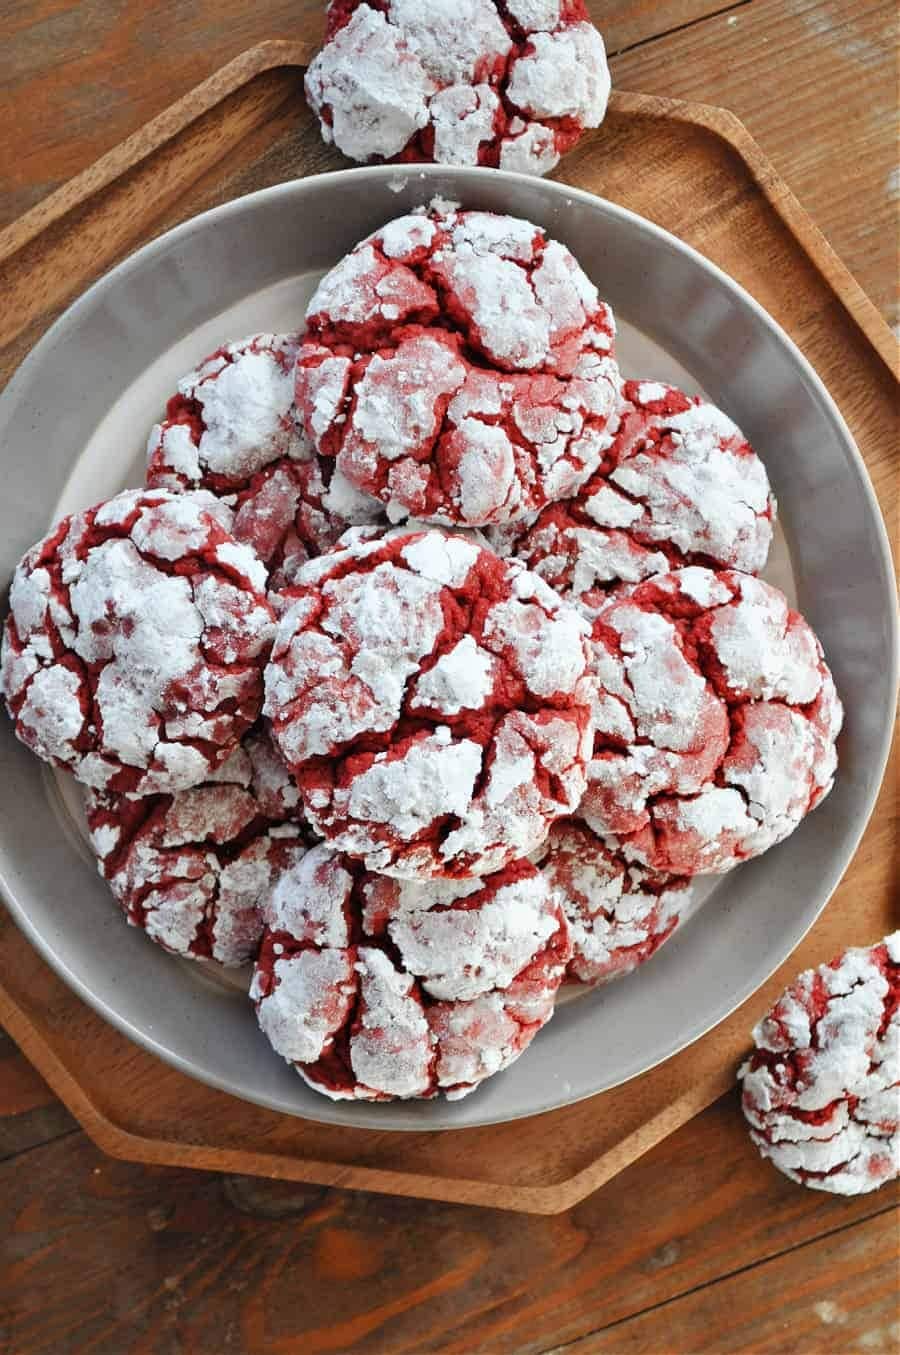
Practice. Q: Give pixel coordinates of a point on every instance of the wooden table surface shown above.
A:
(699, 1246)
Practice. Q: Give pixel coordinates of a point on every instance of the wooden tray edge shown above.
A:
(113, 1137)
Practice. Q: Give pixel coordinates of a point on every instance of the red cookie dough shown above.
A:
(680, 485)
(431, 701)
(459, 367)
(232, 428)
(716, 719)
(134, 649)
(376, 988)
(194, 868)
(822, 1089)
(618, 912)
(508, 83)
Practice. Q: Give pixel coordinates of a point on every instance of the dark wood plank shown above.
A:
(85, 75)
(816, 85)
(828, 1298)
(110, 1257)
(30, 1114)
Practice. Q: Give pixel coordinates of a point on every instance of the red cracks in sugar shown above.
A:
(821, 1090)
(680, 485)
(716, 719)
(378, 989)
(430, 701)
(619, 913)
(193, 869)
(136, 640)
(474, 82)
(232, 428)
(458, 367)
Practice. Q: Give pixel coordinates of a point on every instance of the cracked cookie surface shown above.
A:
(458, 366)
(512, 84)
(134, 649)
(378, 989)
(716, 719)
(431, 701)
(194, 869)
(821, 1091)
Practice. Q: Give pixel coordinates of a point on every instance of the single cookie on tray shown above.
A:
(134, 650)
(619, 913)
(821, 1091)
(193, 869)
(716, 718)
(508, 83)
(377, 988)
(681, 485)
(232, 428)
(431, 701)
(458, 366)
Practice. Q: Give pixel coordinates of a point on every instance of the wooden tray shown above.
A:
(695, 171)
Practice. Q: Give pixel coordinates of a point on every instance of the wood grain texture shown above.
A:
(815, 82)
(109, 1257)
(785, 1305)
(30, 1114)
(697, 172)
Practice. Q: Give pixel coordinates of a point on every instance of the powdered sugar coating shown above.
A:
(679, 485)
(232, 428)
(431, 701)
(716, 721)
(193, 869)
(134, 648)
(822, 1089)
(376, 988)
(463, 373)
(618, 912)
(459, 82)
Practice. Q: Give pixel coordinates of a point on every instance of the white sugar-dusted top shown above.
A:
(765, 655)
(462, 679)
(445, 559)
(434, 777)
(460, 953)
(391, 1051)
(535, 14)
(565, 75)
(309, 901)
(308, 1004)
(451, 37)
(838, 1116)
(375, 88)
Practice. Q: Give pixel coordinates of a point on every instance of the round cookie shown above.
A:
(376, 988)
(618, 912)
(459, 82)
(232, 428)
(681, 485)
(431, 701)
(716, 719)
(458, 366)
(194, 868)
(821, 1091)
(134, 649)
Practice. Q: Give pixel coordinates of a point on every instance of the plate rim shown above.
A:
(403, 1118)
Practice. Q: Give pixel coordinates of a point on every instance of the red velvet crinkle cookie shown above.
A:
(194, 868)
(431, 701)
(232, 428)
(822, 1088)
(508, 83)
(376, 988)
(459, 367)
(681, 486)
(134, 649)
(716, 720)
(618, 912)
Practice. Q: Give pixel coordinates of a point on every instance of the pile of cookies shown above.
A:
(430, 666)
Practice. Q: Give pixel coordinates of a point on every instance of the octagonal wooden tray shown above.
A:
(695, 171)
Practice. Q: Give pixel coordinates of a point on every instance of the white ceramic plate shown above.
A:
(73, 422)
